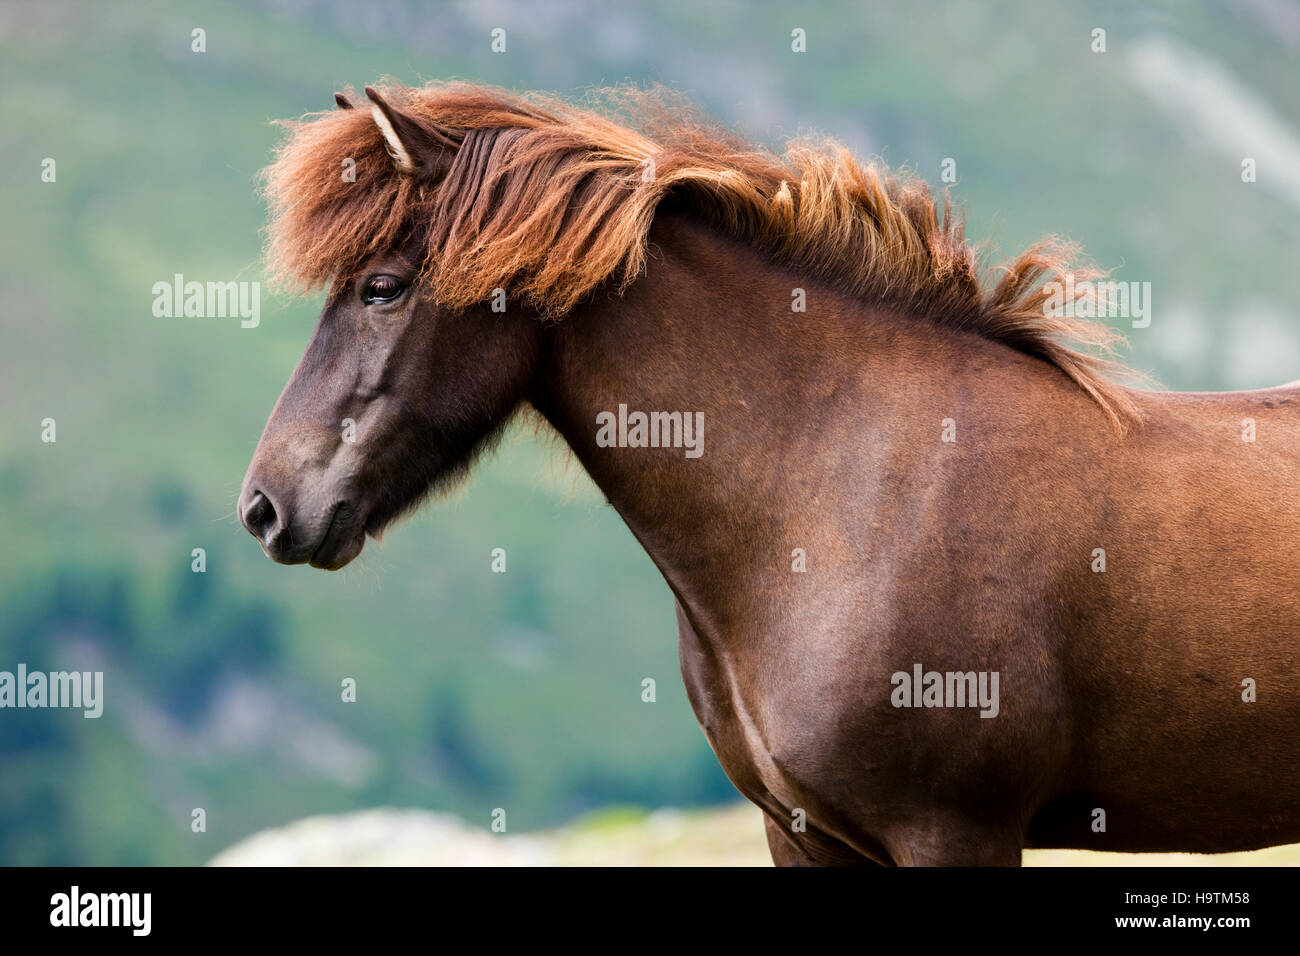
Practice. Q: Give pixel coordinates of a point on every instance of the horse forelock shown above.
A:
(549, 201)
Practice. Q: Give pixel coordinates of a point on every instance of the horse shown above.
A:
(948, 584)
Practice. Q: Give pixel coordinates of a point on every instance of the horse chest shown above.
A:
(729, 713)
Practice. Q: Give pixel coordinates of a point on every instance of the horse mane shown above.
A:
(549, 201)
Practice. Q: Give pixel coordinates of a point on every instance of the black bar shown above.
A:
(332, 906)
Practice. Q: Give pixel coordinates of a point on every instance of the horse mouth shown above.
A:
(342, 542)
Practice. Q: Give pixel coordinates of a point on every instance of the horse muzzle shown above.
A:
(329, 539)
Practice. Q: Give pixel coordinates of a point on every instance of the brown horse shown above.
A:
(944, 589)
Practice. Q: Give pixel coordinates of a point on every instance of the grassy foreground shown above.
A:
(731, 836)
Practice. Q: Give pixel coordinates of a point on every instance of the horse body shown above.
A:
(911, 477)
(975, 554)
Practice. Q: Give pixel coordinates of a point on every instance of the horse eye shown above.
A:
(380, 289)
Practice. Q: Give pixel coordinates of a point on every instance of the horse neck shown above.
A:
(796, 406)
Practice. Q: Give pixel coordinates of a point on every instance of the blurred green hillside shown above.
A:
(478, 690)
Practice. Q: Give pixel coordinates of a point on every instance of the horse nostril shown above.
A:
(259, 516)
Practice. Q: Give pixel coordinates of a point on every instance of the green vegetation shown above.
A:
(474, 690)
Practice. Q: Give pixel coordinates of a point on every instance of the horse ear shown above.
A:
(418, 147)
(342, 101)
